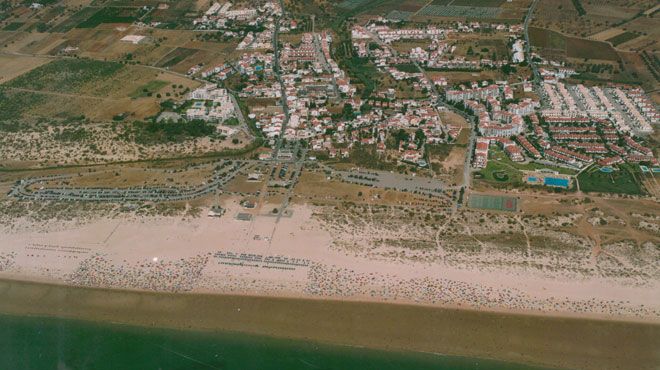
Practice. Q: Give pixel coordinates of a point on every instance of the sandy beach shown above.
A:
(294, 257)
(291, 276)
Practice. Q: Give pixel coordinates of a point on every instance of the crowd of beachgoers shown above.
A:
(327, 281)
(335, 282)
(179, 275)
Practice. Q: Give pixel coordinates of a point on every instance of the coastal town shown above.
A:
(532, 117)
(495, 156)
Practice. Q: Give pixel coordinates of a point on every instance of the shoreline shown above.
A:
(643, 320)
(534, 339)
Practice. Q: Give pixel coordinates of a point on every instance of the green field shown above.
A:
(175, 57)
(13, 26)
(407, 67)
(478, 3)
(14, 104)
(623, 181)
(547, 39)
(65, 75)
(74, 20)
(351, 4)
(589, 49)
(572, 47)
(622, 37)
(109, 15)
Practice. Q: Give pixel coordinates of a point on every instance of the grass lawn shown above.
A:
(501, 170)
(623, 181)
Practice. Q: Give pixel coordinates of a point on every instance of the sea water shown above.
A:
(63, 344)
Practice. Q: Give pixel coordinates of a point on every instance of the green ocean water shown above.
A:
(60, 344)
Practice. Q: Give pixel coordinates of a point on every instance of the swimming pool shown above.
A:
(555, 181)
(606, 169)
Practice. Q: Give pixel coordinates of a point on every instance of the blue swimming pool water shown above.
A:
(606, 169)
(554, 181)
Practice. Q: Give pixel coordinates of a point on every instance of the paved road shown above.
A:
(528, 47)
(278, 74)
(326, 64)
(240, 115)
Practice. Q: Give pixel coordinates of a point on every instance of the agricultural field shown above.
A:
(30, 42)
(13, 26)
(599, 15)
(588, 49)
(478, 3)
(351, 4)
(74, 20)
(648, 29)
(179, 15)
(98, 90)
(174, 49)
(14, 65)
(175, 57)
(473, 9)
(66, 76)
(555, 45)
(454, 11)
(457, 77)
(476, 48)
(547, 39)
(109, 15)
(148, 89)
(622, 37)
(405, 7)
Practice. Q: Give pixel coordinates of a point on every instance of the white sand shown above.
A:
(136, 253)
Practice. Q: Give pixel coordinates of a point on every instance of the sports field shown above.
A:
(493, 202)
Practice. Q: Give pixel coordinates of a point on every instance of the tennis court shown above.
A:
(493, 202)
